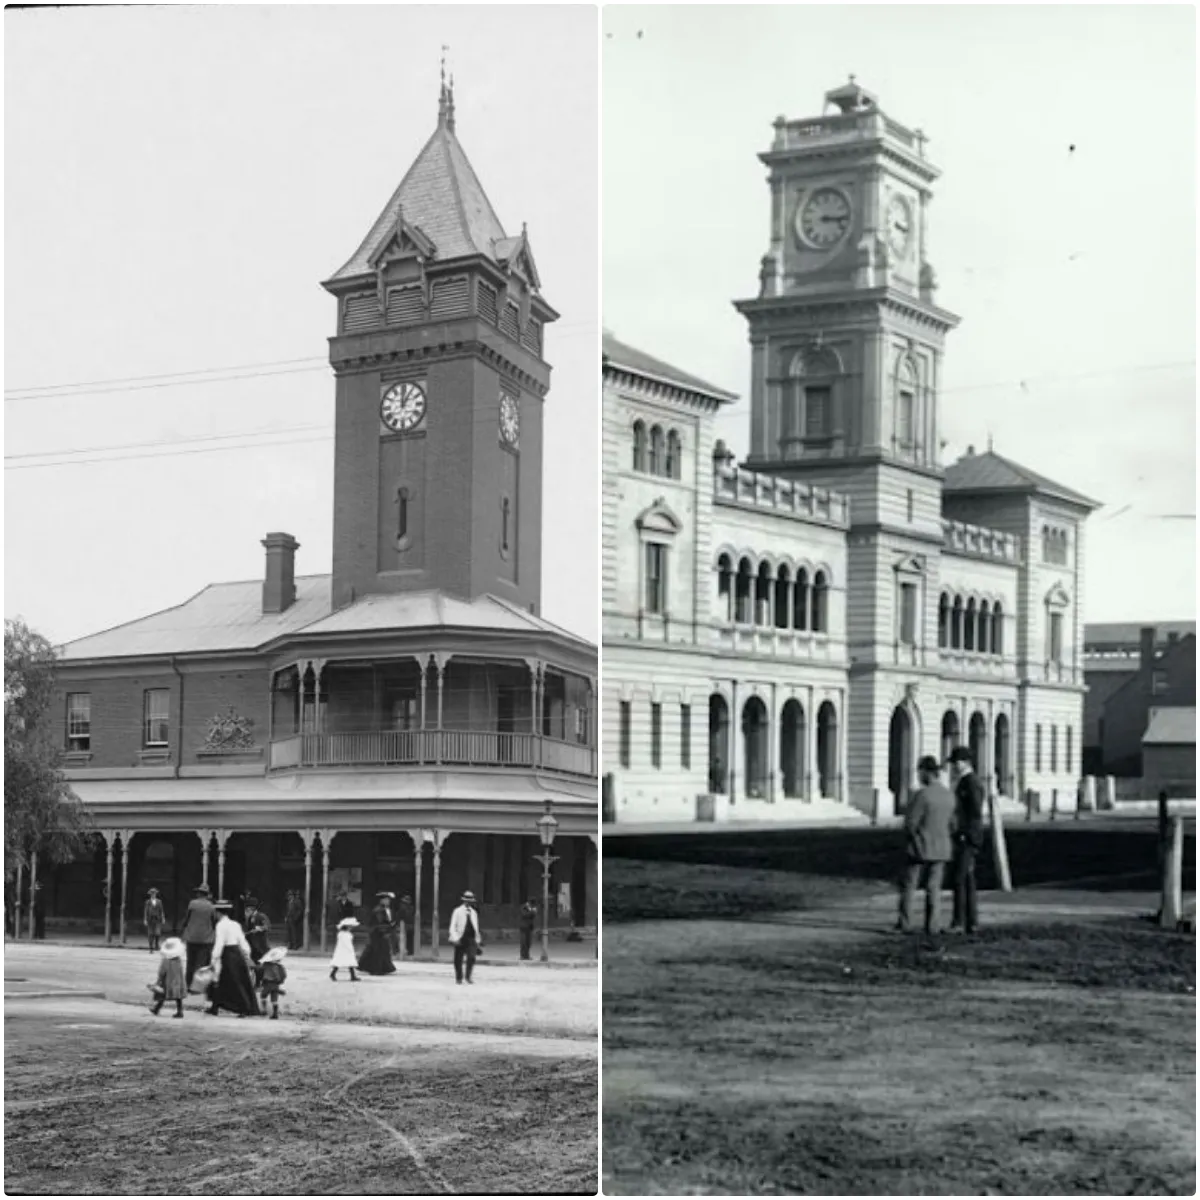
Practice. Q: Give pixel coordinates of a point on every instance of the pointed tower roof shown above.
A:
(442, 197)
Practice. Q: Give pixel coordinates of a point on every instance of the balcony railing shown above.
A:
(433, 747)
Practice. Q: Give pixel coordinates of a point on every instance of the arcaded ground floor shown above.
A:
(106, 888)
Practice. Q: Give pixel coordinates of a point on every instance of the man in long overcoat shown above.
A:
(929, 845)
(968, 838)
(199, 931)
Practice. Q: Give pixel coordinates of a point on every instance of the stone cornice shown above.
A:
(646, 388)
(854, 302)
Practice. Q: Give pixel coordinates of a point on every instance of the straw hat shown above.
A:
(172, 947)
(152, 891)
(468, 896)
(348, 923)
(275, 954)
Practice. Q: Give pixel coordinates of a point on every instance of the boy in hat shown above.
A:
(154, 916)
(343, 951)
(170, 985)
(274, 974)
(464, 937)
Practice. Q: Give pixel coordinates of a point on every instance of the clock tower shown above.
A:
(441, 378)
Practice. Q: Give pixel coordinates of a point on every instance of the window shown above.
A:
(656, 577)
(911, 506)
(656, 451)
(685, 736)
(79, 721)
(1056, 641)
(405, 711)
(1053, 748)
(820, 603)
(402, 516)
(998, 629)
(581, 725)
(1067, 749)
(904, 421)
(656, 735)
(817, 404)
(674, 456)
(623, 733)
(156, 706)
(908, 614)
(1160, 682)
(504, 514)
(1037, 748)
(639, 446)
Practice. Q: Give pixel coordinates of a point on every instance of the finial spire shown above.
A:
(446, 96)
(989, 441)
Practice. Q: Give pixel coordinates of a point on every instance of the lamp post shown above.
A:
(547, 827)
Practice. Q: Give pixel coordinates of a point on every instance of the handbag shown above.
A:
(201, 981)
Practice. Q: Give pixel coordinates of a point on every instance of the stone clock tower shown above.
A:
(846, 342)
(440, 384)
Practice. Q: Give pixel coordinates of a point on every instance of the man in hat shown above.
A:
(464, 937)
(404, 919)
(528, 923)
(199, 931)
(929, 845)
(257, 929)
(295, 920)
(154, 916)
(968, 838)
(345, 906)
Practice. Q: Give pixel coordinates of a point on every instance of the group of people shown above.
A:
(943, 829)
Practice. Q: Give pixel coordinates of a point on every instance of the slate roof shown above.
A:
(992, 472)
(618, 354)
(1171, 727)
(228, 617)
(443, 197)
(1129, 633)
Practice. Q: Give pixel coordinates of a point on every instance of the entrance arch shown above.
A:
(755, 731)
(827, 750)
(976, 737)
(950, 733)
(792, 743)
(718, 743)
(900, 757)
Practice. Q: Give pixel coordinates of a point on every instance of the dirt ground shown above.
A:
(749, 1049)
(103, 1099)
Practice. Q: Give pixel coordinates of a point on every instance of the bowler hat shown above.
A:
(930, 764)
(960, 754)
(202, 889)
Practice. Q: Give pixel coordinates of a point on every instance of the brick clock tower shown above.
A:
(440, 385)
(846, 347)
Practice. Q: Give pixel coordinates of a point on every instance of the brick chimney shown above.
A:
(279, 586)
(1147, 654)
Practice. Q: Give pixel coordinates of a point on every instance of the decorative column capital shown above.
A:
(206, 836)
(326, 836)
(108, 835)
(307, 836)
(222, 836)
(126, 836)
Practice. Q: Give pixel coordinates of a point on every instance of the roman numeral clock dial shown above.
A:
(402, 407)
(823, 220)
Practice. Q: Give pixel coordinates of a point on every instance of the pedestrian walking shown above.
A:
(528, 923)
(343, 950)
(231, 987)
(465, 937)
(295, 921)
(154, 917)
(929, 846)
(376, 959)
(274, 975)
(258, 928)
(199, 930)
(968, 838)
(170, 984)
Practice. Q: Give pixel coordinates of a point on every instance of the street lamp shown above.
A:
(547, 827)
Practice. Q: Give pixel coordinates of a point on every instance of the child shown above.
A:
(170, 985)
(343, 952)
(274, 973)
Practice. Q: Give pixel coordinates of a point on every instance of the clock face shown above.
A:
(402, 406)
(824, 219)
(899, 225)
(510, 419)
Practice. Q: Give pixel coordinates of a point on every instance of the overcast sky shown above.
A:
(1062, 230)
(178, 182)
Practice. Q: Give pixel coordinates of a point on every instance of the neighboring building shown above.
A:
(786, 638)
(1169, 752)
(1114, 654)
(400, 723)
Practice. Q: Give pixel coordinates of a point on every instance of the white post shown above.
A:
(17, 902)
(327, 836)
(307, 836)
(999, 845)
(418, 841)
(438, 838)
(126, 838)
(108, 868)
(32, 892)
(1110, 792)
(1089, 793)
(1172, 884)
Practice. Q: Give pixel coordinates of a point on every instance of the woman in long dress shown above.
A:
(232, 988)
(376, 959)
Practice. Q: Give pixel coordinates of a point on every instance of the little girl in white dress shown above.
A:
(343, 951)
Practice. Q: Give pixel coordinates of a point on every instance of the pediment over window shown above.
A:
(659, 518)
(1057, 597)
(909, 564)
(405, 241)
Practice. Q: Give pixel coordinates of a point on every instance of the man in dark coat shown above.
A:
(199, 931)
(528, 922)
(968, 838)
(345, 907)
(929, 846)
(39, 913)
(257, 931)
(295, 921)
(404, 917)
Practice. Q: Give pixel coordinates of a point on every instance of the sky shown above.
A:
(178, 183)
(1062, 231)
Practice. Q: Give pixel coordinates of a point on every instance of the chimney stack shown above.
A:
(1147, 656)
(279, 586)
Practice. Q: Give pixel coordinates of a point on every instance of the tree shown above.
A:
(41, 812)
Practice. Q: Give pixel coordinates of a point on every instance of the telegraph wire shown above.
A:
(208, 437)
(42, 387)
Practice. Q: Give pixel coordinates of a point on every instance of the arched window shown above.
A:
(674, 456)
(998, 629)
(402, 514)
(762, 595)
(656, 450)
(724, 588)
(820, 603)
(969, 626)
(943, 621)
(983, 638)
(504, 515)
(741, 612)
(800, 600)
(639, 446)
(956, 624)
(783, 596)
(808, 398)
(906, 408)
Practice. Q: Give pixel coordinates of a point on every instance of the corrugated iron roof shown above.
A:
(228, 617)
(443, 197)
(1171, 727)
(618, 354)
(992, 472)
